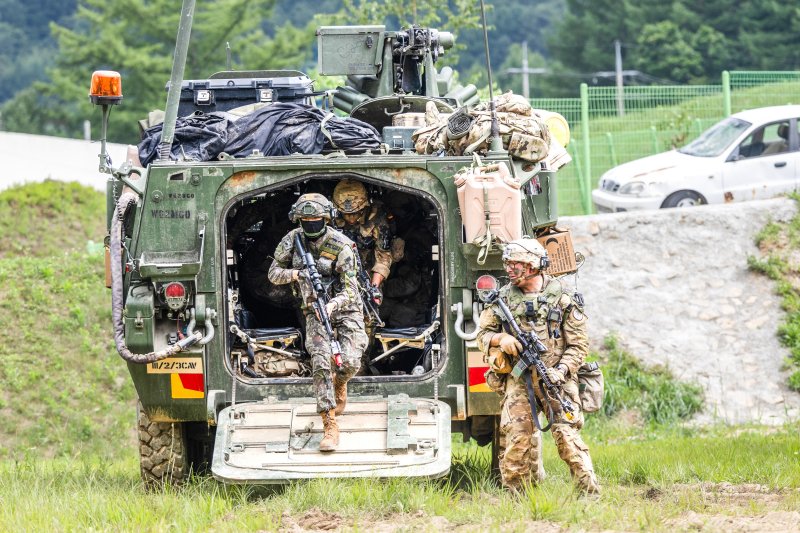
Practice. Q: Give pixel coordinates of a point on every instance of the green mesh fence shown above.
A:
(646, 121)
(568, 180)
(649, 120)
(761, 89)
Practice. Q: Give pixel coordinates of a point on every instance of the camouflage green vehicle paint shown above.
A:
(179, 199)
(177, 232)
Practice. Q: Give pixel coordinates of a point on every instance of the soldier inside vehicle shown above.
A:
(267, 333)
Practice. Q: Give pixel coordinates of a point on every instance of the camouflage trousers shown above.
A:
(349, 330)
(521, 442)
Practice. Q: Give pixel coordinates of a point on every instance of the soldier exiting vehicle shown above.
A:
(367, 225)
(333, 255)
(538, 303)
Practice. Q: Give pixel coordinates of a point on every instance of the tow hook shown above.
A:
(196, 336)
(458, 309)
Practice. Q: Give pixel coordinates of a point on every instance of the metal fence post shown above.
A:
(726, 92)
(587, 151)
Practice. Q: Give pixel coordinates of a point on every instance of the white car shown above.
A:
(750, 155)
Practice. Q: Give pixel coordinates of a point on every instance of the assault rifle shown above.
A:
(321, 297)
(369, 292)
(530, 359)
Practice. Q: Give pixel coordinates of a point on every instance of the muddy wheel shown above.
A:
(162, 451)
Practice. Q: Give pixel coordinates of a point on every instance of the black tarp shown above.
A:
(276, 129)
(198, 137)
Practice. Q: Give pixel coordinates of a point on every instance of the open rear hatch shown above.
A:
(274, 442)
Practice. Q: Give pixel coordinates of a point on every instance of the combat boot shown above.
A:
(330, 440)
(340, 394)
(588, 485)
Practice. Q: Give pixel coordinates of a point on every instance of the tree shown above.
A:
(26, 49)
(137, 38)
(667, 52)
(685, 41)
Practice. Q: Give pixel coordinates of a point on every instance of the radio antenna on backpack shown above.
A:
(496, 144)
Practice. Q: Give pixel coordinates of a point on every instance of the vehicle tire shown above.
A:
(684, 199)
(162, 451)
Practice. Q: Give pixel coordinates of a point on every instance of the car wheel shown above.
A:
(684, 199)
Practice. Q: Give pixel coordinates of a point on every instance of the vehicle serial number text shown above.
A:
(171, 213)
(176, 365)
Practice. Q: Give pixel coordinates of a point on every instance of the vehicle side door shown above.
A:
(764, 164)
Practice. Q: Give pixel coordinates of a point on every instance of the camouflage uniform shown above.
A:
(567, 344)
(373, 237)
(334, 257)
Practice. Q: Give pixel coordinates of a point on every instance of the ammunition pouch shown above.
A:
(591, 387)
(496, 382)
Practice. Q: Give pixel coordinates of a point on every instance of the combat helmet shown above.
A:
(526, 250)
(350, 196)
(311, 205)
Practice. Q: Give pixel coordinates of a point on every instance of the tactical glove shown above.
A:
(556, 376)
(331, 308)
(510, 345)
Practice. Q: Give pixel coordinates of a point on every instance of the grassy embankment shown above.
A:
(779, 242)
(64, 392)
(68, 438)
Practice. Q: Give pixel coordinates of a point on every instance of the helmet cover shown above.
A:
(525, 251)
(350, 196)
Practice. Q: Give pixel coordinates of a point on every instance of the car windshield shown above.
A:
(714, 140)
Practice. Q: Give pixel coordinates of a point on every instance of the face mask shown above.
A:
(313, 228)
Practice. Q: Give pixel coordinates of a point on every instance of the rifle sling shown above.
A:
(532, 399)
(534, 402)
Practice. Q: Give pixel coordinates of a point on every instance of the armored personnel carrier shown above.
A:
(216, 352)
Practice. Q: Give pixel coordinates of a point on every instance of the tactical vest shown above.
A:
(542, 312)
(326, 252)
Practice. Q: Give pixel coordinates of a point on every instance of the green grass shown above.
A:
(646, 481)
(777, 242)
(65, 392)
(653, 392)
(49, 218)
(68, 460)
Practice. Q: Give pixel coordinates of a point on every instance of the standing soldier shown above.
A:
(538, 303)
(335, 261)
(366, 225)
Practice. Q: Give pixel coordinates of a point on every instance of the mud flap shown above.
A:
(275, 442)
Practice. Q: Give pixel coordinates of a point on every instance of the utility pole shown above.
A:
(525, 71)
(620, 93)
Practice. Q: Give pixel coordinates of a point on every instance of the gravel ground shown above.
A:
(674, 286)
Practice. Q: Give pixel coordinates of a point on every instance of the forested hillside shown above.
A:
(48, 48)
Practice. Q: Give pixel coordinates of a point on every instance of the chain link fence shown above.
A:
(641, 121)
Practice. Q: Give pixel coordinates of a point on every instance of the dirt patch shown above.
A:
(748, 507)
(313, 520)
(772, 521)
(738, 495)
(317, 520)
